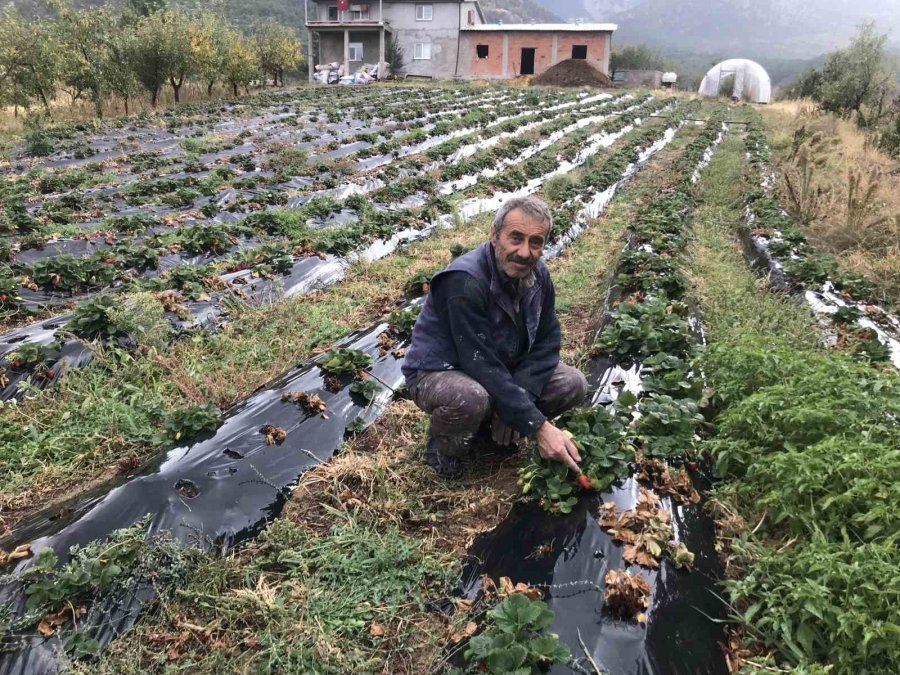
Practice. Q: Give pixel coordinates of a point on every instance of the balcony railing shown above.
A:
(352, 23)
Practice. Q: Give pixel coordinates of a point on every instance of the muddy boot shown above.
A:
(447, 455)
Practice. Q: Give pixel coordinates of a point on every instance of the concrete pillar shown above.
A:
(505, 56)
(346, 51)
(309, 53)
(381, 54)
(553, 56)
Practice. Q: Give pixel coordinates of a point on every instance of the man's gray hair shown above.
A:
(532, 207)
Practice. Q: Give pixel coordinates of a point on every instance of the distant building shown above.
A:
(500, 51)
(449, 39)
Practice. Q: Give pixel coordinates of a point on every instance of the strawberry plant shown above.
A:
(514, 642)
(666, 426)
(645, 328)
(341, 360)
(668, 374)
(366, 389)
(403, 320)
(193, 422)
(597, 433)
(29, 356)
(94, 318)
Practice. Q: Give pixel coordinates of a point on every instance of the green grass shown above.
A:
(805, 447)
(735, 301)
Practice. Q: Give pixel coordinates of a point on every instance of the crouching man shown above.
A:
(485, 349)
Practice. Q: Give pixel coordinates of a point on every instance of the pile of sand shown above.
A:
(572, 73)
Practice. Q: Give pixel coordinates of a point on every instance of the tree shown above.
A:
(212, 34)
(277, 48)
(147, 54)
(240, 66)
(183, 45)
(854, 80)
(28, 61)
(639, 57)
(86, 38)
(394, 59)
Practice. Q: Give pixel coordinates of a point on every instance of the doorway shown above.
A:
(527, 67)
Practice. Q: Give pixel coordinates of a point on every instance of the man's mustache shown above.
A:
(522, 261)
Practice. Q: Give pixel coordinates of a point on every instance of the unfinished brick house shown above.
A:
(502, 51)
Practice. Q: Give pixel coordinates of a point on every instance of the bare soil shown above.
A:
(572, 73)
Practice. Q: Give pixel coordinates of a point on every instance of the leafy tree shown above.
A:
(28, 61)
(240, 65)
(185, 44)
(636, 57)
(277, 48)
(146, 7)
(87, 37)
(147, 54)
(211, 34)
(854, 79)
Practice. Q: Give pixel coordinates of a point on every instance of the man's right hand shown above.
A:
(554, 444)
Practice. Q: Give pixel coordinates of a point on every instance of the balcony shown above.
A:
(352, 24)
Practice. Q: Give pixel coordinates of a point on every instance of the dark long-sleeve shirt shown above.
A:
(516, 381)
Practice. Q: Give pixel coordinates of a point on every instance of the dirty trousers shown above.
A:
(458, 405)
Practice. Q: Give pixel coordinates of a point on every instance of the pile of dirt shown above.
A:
(572, 73)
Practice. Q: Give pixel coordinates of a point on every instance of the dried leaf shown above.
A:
(467, 631)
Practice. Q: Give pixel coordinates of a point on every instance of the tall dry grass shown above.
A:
(841, 188)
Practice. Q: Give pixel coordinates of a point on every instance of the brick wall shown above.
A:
(504, 59)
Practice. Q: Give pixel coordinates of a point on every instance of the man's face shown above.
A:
(519, 244)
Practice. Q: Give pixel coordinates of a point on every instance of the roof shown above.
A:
(558, 27)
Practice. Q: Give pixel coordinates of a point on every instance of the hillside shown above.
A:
(518, 11)
(786, 28)
(291, 13)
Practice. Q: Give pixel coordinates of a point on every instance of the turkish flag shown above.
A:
(343, 5)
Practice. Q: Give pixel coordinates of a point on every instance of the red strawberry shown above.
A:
(692, 466)
(865, 335)
(2, 297)
(49, 374)
(585, 482)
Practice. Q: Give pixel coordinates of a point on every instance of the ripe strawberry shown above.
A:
(49, 374)
(692, 466)
(585, 482)
(865, 335)
(2, 297)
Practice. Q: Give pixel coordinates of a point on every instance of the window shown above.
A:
(332, 13)
(579, 51)
(424, 13)
(358, 12)
(356, 53)
(481, 51)
(422, 51)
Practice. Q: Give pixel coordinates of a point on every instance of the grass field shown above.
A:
(167, 277)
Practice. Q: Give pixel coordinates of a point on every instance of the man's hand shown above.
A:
(554, 444)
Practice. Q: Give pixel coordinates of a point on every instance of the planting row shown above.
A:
(776, 245)
(256, 450)
(259, 275)
(628, 547)
(805, 444)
